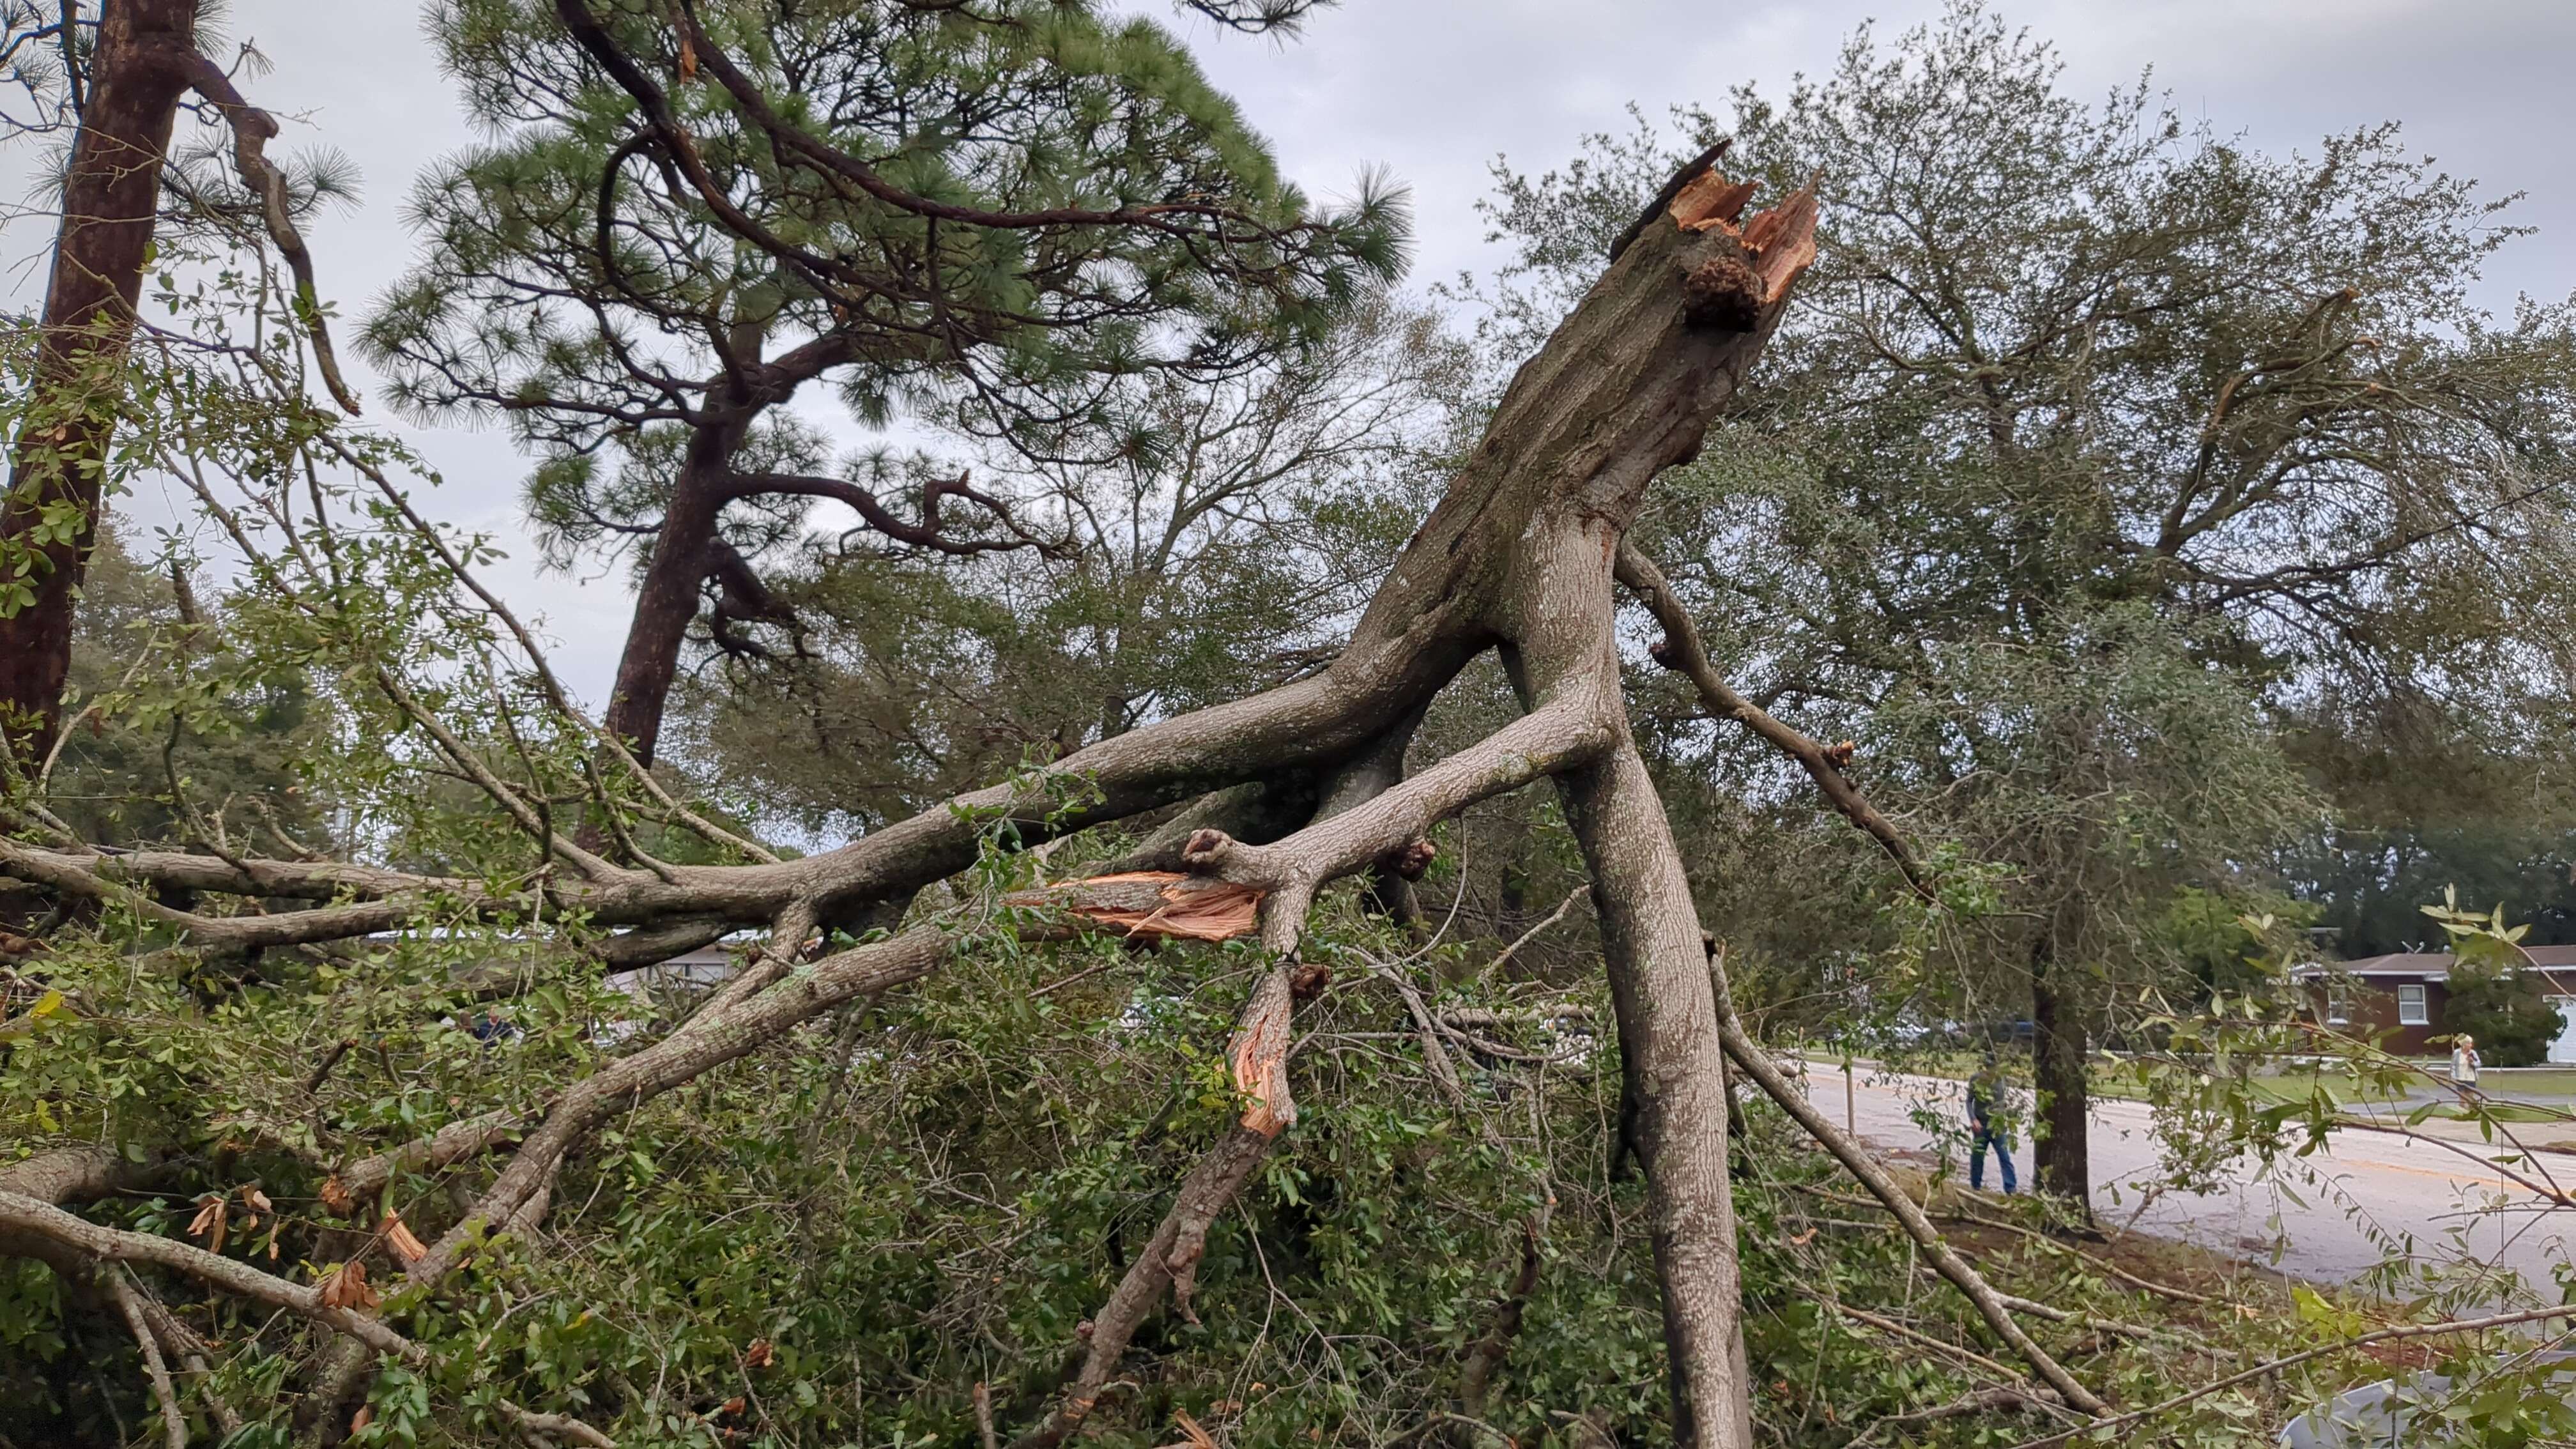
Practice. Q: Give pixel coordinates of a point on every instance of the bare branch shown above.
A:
(1681, 650)
(252, 130)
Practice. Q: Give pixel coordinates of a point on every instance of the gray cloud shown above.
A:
(1434, 89)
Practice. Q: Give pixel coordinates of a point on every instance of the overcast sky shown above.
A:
(1432, 90)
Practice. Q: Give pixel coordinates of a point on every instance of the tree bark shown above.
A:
(2060, 1153)
(667, 599)
(1667, 1019)
(110, 201)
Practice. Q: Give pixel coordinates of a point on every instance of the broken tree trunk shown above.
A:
(1518, 557)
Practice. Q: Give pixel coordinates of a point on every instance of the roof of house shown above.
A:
(2429, 965)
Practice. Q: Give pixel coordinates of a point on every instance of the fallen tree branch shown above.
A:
(2144, 1285)
(1170, 1258)
(1476, 1376)
(174, 1424)
(1998, 1397)
(1757, 1064)
(353, 1185)
(1916, 1336)
(115, 1245)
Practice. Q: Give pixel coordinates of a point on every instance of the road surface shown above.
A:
(2367, 1197)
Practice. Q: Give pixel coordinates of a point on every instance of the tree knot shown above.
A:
(1308, 981)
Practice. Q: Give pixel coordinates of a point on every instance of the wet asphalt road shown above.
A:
(2368, 1196)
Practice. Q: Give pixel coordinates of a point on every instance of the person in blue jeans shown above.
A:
(1986, 1129)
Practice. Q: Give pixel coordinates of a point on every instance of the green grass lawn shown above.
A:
(2537, 1082)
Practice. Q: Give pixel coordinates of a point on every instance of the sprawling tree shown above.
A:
(1516, 557)
(363, 1143)
(1002, 217)
(2089, 402)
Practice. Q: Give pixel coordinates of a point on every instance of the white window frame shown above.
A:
(2338, 1003)
(2419, 1010)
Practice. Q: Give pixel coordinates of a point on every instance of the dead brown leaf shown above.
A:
(212, 1211)
(347, 1287)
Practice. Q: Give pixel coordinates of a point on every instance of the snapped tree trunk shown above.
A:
(2060, 1153)
(1517, 557)
(49, 519)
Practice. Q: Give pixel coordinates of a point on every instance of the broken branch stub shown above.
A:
(1153, 905)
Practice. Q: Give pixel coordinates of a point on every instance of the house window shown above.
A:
(2410, 1007)
(2338, 1003)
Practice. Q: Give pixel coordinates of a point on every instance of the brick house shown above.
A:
(2400, 996)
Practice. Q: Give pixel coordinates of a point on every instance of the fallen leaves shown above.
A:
(346, 1287)
(214, 1212)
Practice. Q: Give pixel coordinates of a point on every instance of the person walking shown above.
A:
(1986, 1128)
(2464, 1060)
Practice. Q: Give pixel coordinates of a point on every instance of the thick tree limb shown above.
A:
(75, 1174)
(1675, 1068)
(357, 1184)
(1558, 736)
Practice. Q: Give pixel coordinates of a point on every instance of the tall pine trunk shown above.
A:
(49, 519)
(667, 599)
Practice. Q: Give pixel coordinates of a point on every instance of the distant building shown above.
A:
(2399, 997)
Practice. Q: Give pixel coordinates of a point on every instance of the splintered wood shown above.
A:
(1155, 905)
(1780, 241)
(1259, 1053)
